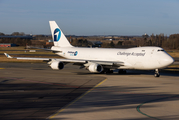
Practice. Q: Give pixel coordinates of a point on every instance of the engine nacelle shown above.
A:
(57, 65)
(94, 67)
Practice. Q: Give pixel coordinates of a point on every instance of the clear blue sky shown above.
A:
(90, 17)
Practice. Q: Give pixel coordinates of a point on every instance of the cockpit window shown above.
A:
(160, 50)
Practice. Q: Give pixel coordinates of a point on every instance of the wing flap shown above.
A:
(107, 62)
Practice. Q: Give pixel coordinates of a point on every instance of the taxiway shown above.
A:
(34, 91)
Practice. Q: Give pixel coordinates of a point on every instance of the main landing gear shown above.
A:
(107, 71)
(157, 73)
(121, 71)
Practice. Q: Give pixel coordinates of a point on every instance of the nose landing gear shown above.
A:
(157, 73)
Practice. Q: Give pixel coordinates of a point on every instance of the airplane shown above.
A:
(103, 60)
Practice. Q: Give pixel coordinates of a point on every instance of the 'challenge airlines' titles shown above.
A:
(131, 54)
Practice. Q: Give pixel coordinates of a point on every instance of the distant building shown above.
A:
(7, 45)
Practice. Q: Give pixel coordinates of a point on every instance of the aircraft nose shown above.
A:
(167, 60)
(171, 60)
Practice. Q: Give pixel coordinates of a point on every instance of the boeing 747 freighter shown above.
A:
(105, 60)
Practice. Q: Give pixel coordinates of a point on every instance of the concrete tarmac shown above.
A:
(35, 91)
(137, 95)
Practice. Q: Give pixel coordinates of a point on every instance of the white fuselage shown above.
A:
(142, 58)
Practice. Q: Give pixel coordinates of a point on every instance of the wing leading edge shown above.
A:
(82, 61)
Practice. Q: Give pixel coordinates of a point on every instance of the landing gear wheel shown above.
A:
(121, 71)
(108, 71)
(111, 71)
(157, 73)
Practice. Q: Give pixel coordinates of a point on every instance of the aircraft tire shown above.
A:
(121, 71)
(157, 75)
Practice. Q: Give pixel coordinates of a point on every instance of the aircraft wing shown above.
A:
(45, 59)
(82, 61)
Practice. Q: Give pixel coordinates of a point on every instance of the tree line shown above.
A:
(14, 34)
(17, 41)
(171, 42)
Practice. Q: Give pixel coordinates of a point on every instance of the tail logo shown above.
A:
(57, 34)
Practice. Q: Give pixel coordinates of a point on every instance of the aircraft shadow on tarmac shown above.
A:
(31, 100)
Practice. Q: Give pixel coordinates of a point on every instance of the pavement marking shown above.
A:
(2, 68)
(155, 100)
(138, 109)
(52, 116)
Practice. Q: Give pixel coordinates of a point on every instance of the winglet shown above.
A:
(8, 56)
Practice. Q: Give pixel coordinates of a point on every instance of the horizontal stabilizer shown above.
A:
(8, 56)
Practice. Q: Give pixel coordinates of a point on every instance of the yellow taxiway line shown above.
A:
(52, 116)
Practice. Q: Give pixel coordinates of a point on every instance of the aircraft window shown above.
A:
(161, 50)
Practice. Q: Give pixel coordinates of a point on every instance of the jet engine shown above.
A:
(57, 65)
(94, 67)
